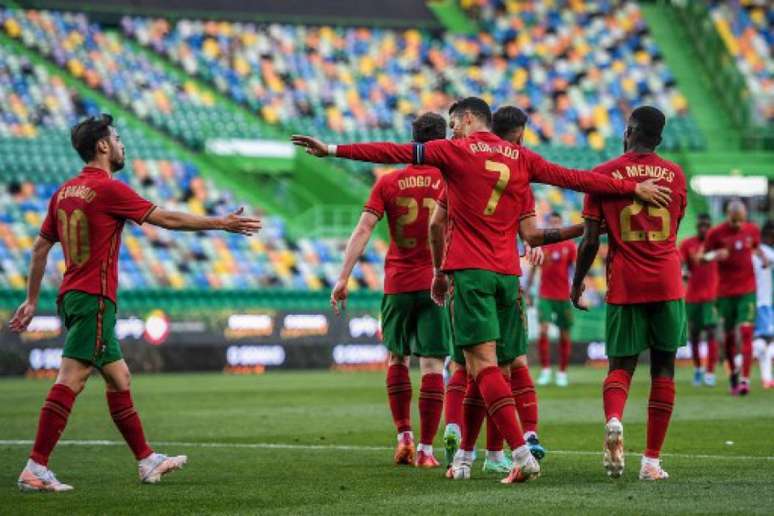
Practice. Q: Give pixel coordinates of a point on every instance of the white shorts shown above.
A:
(764, 322)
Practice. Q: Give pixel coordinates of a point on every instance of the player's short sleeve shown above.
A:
(756, 235)
(125, 203)
(375, 202)
(528, 207)
(592, 208)
(48, 229)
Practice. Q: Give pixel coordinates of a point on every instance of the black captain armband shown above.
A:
(419, 153)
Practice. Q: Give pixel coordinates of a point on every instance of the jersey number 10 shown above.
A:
(74, 234)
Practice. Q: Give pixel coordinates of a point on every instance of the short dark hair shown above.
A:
(555, 214)
(477, 107)
(507, 119)
(703, 217)
(85, 135)
(453, 108)
(768, 227)
(650, 123)
(427, 127)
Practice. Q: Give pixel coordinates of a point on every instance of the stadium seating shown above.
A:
(576, 67)
(746, 29)
(36, 111)
(105, 62)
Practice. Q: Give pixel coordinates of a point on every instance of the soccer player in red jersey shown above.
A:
(732, 245)
(411, 322)
(700, 294)
(554, 303)
(86, 215)
(486, 180)
(645, 305)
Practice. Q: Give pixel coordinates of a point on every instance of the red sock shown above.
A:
(662, 399)
(52, 422)
(399, 393)
(712, 353)
(747, 349)
(565, 345)
(455, 393)
(731, 350)
(695, 353)
(544, 351)
(500, 406)
(430, 406)
(615, 390)
(524, 395)
(128, 422)
(494, 440)
(473, 414)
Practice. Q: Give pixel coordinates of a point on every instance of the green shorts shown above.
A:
(90, 321)
(631, 329)
(487, 306)
(413, 325)
(701, 316)
(737, 310)
(555, 311)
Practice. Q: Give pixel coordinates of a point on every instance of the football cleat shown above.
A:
(613, 460)
(528, 470)
(460, 467)
(405, 452)
(744, 388)
(40, 478)
(504, 465)
(535, 448)
(698, 378)
(733, 380)
(545, 377)
(561, 379)
(426, 460)
(710, 380)
(652, 471)
(451, 442)
(157, 465)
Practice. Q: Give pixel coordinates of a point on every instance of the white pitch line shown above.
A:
(343, 447)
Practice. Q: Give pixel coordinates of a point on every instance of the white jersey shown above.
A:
(763, 276)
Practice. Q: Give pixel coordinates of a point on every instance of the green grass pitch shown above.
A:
(337, 458)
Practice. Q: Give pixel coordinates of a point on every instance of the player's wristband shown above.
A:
(332, 149)
(708, 257)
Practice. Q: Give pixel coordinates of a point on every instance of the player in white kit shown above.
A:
(763, 347)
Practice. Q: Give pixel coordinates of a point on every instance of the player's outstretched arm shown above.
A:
(355, 247)
(587, 252)
(381, 152)
(21, 319)
(437, 237)
(535, 236)
(179, 221)
(542, 171)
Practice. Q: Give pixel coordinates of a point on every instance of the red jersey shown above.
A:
(408, 196)
(555, 272)
(643, 264)
(735, 274)
(487, 181)
(703, 280)
(86, 215)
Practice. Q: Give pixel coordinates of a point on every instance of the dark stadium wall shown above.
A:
(399, 13)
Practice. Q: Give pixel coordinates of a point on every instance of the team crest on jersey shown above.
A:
(738, 245)
(556, 255)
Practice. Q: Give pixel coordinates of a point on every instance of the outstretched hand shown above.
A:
(534, 255)
(312, 145)
(21, 319)
(575, 296)
(237, 223)
(652, 193)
